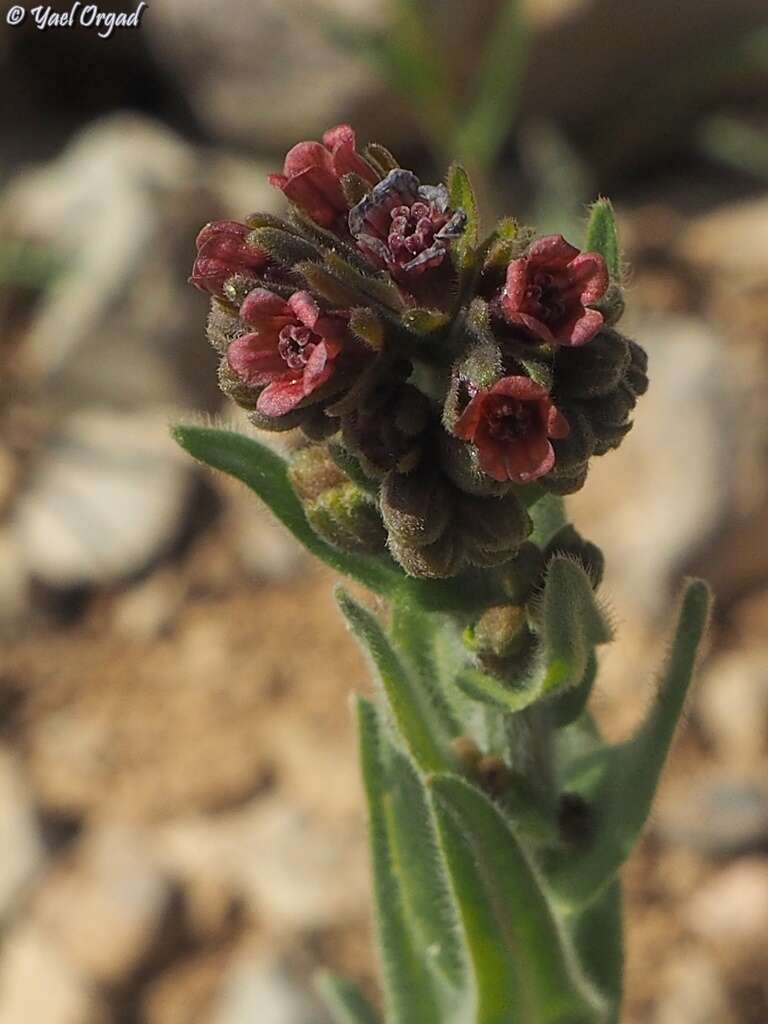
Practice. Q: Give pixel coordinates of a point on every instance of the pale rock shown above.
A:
(282, 863)
(693, 992)
(107, 495)
(732, 704)
(38, 986)
(731, 910)
(23, 854)
(148, 609)
(14, 579)
(105, 908)
(260, 76)
(732, 239)
(719, 815)
(266, 991)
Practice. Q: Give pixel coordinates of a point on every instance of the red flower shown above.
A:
(547, 292)
(312, 171)
(405, 226)
(222, 250)
(292, 348)
(510, 424)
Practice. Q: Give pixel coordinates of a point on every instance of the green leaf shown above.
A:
(265, 472)
(570, 624)
(548, 514)
(603, 236)
(620, 781)
(494, 108)
(415, 632)
(596, 932)
(408, 702)
(422, 958)
(344, 1000)
(569, 705)
(523, 967)
(462, 197)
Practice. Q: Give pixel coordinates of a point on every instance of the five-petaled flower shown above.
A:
(405, 226)
(222, 251)
(548, 290)
(292, 348)
(511, 424)
(312, 172)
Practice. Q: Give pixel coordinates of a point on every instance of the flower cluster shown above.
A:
(448, 380)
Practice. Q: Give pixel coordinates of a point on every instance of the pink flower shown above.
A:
(312, 172)
(511, 424)
(292, 348)
(547, 292)
(405, 226)
(222, 250)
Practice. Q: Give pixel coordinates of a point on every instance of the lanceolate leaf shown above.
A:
(414, 632)
(524, 970)
(619, 782)
(423, 961)
(603, 236)
(463, 198)
(345, 1002)
(408, 702)
(265, 473)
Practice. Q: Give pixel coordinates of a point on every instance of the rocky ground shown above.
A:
(180, 815)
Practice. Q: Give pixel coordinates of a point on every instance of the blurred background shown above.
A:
(180, 817)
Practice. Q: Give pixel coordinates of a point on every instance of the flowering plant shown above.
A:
(450, 389)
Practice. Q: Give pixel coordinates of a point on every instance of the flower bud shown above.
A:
(500, 631)
(345, 517)
(573, 450)
(312, 471)
(440, 560)
(466, 752)
(388, 431)
(492, 774)
(461, 464)
(492, 529)
(593, 369)
(416, 507)
(520, 575)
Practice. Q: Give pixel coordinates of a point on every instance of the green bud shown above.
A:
(345, 517)
(416, 507)
(425, 321)
(312, 471)
(500, 631)
(367, 326)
